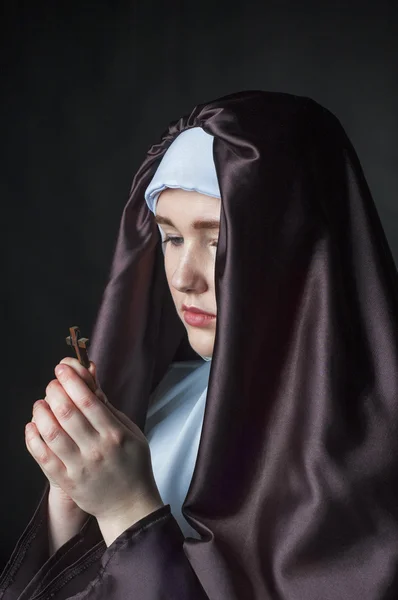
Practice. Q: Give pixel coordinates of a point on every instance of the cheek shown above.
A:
(209, 266)
(175, 294)
(170, 267)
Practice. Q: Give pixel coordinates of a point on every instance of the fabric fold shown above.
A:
(295, 484)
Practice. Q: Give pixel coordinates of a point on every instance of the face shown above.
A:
(190, 224)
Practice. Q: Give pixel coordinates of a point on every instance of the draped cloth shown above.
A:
(295, 487)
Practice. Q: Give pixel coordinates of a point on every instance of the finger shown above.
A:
(50, 464)
(100, 394)
(93, 371)
(87, 402)
(69, 417)
(98, 391)
(85, 374)
(92, 381)
(52, 433)
(82, 371)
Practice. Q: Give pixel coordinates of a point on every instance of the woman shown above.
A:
(293, 493)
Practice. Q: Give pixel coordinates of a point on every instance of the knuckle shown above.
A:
(114, 437)
(51, 434)
(95, 455)
(64, 411)
(86, 401)
(43, 457)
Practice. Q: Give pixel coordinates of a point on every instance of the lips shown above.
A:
(196, 310)
(197, 317)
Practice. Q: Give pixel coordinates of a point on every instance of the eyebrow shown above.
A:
(198, 224)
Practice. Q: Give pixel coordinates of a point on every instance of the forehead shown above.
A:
(187, 204)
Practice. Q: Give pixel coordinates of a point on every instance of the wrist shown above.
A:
(62, 504)
(113, 525)
(65, 519)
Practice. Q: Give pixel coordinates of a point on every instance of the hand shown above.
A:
(57, 496)
(65, 517)
(93, 452)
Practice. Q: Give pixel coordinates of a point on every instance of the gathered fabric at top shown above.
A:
(296, 477)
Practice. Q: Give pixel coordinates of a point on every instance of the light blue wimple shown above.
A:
(187, 164)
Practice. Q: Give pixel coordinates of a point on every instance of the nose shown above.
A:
(188, 275)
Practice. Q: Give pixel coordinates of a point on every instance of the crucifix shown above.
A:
(80, 345)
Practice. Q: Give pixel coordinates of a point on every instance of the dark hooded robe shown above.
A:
(295, 487)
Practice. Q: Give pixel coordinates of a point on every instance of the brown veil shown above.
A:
(295, 489)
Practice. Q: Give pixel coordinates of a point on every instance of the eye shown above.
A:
(175, 240)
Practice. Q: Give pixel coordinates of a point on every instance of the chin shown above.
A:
(202, 342)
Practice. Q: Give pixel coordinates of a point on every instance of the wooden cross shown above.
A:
(80, 345)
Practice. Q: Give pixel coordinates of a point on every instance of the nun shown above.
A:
(235, 437)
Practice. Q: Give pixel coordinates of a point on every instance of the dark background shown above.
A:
(86, 88)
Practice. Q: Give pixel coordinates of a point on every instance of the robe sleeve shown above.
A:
(30, 553)
(31, 567)
(146, 562)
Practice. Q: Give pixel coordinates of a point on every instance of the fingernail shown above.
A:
(36, 404)
(59, 369)
(65, 360)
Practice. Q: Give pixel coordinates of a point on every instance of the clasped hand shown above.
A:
(95, 453)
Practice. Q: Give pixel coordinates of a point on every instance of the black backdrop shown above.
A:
(86, 88)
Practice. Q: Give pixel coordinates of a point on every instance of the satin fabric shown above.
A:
(295, 489)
